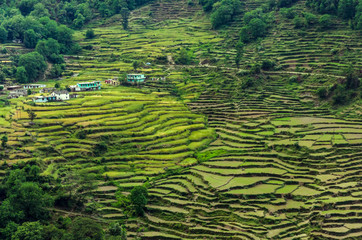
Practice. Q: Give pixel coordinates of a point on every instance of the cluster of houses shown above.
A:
(55, 95)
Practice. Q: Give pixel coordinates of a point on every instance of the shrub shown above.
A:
(89, 34)
(289, 13)
(311, 18)
(322, 92)
(325, 21)
(268, 64)
(299, 22)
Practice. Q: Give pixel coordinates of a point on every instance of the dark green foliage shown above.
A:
(56, 70)
(299, 22)
(125, 15)
(325, 21)
(21, 75)
(89, 34)
(28, 92)
(4, 140)
(184, 57)
(268, 64)
(30, 38)
(346, 9)
(40, 11)
(79, 21)
(288, 12)
(3, 35)
(322, 92)
(34, 65)
(239, 52)
(139, 199)
(87, 229)
(311, 18)
(2, 77)
(256, 28)
(224, 12)
(26, 6)
(29, 231)
(285, 3)
(31, 114)
(352, 80)
(119, 230)
(100, 148)
(50, 49)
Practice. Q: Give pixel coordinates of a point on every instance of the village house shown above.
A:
(86, 86)
(61, 95)
(47, 90)
(17, 93)
(43, 99)
(113, 81)
(10, 88)
(135, 78)
(31, 86)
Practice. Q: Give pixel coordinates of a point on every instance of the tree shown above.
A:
(184, 57)
(352, 80)
(57, 85)
(28, 92)
(30, 38)
(4, 140)
(125, 15)
(89, 34)
(34, 65)
(136, 65)
(325, 21)
(311, 18)
(138, 197)
(239, 53)
(2, 77)
(21, 75)
(32, 201)
(79, 21)
(257, 28)
(31, 114)
(26, 6)
(346, 9)
(299, 22)
(48, 47)
(40, 11)
(29, 231)
(87, 229)
(3, 35)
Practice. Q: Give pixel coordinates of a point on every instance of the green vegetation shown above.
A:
(247, 127)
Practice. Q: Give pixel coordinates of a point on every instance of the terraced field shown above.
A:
(221, 162)
(278, 170)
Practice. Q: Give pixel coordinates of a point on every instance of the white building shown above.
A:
(61, 95)
(30, 86)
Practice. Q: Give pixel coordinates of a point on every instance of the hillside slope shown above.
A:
(222, 159)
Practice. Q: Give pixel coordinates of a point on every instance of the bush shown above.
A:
(311, 18)
(322, 92)
(299, 22)
(268, 64)
(89, 34)
(184, 57)
(289, 13)
(325, 21)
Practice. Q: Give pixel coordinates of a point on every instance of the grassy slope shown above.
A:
(280, 167)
